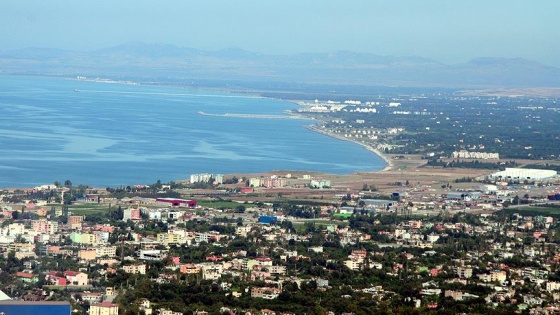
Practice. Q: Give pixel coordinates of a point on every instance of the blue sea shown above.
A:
(107, 134)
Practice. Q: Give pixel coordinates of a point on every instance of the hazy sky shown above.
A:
(446, 30)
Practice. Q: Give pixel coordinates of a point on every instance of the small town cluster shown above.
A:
(417, 249)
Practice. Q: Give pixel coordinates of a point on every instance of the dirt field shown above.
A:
(411, 169)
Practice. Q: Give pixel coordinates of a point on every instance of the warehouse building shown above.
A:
(34, 308)
(378, 203)
(523, 174)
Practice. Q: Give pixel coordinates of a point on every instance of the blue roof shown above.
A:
(34, 308)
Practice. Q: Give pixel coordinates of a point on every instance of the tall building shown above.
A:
(84, 238)
(75, 221)
(200, 178)
(206, 177)
(44, 226)
(131, 214)
(219, 178)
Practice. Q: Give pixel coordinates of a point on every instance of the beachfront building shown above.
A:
(463, 154)
(268, 182)
(206, 178)
(320, 183)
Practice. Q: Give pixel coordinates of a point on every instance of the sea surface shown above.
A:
(108, 134)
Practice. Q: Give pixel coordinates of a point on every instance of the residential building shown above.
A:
(267, 293)
(104, 308)
(131, 214)
(84, 238)
(76, 278)
(464, 273)
(135, 269)
(75, 222)
(44, 226)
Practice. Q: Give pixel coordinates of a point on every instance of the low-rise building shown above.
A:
(104, 308)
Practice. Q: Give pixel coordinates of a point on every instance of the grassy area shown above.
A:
(300, 225)
(533, 211)
(68, 288)
(221, 204)
(88, 209)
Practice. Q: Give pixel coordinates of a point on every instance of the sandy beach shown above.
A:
(389, 163)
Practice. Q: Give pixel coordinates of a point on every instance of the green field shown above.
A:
(89, 209)
(220, 204)
(300, 225)
(533, 211)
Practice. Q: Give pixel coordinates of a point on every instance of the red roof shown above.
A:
(214, 258)
(105, 304)
(25, 275)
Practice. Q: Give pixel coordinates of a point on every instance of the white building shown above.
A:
(254, 182)
(15, 229)
(206, 177)
(106, 251)
(135, 269)
(320, 183)
(524, 174)
(488, 188)
(475, 155)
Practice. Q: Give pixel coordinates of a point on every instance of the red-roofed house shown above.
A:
(27, 277)
(214, 258)
(67, 278)
(76, 278)
(56, 278)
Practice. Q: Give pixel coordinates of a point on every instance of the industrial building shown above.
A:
(33, 308)
(176, 202)
(378, 203)
(470, 195)
(523, 174)
(264, 219)
(488, 189)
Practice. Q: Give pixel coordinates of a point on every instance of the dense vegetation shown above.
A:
(513, 127)
(472, 164)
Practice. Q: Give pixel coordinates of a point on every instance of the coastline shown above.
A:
(388, 162)
(289, 114)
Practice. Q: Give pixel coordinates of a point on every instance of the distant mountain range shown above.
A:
(169, 63)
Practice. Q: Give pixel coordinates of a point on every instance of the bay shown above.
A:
(103, 134)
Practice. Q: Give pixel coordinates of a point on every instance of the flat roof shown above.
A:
(17, 302)
(35, 308)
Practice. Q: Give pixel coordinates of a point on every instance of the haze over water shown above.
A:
(103, 134)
